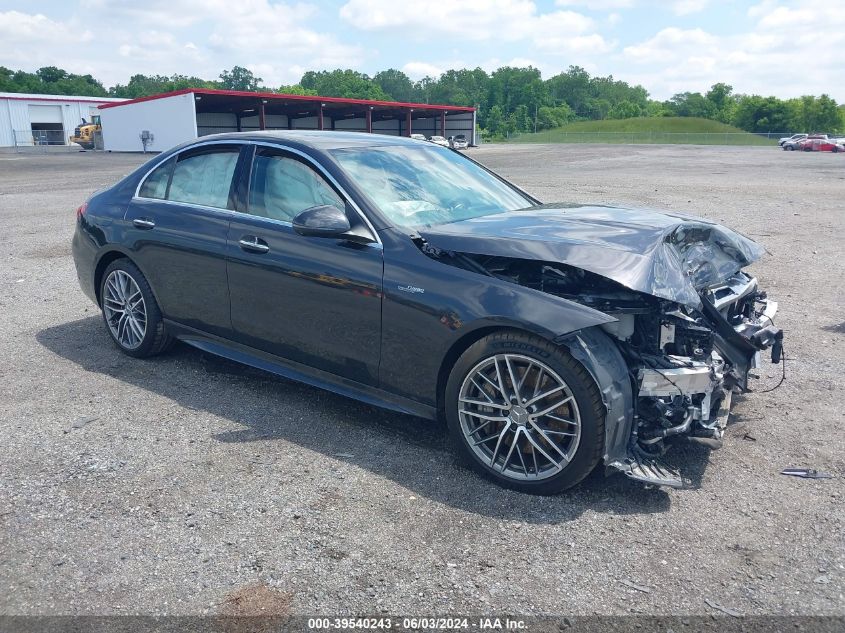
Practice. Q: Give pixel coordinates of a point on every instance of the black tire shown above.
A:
(156, 339)
(835, 149)
(577, 379)
(789, 147)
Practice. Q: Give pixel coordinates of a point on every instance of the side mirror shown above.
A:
(322, 221)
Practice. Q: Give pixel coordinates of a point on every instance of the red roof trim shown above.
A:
(278, 96)
(93, 100)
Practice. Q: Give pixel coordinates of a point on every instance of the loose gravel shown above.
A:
(187, 484)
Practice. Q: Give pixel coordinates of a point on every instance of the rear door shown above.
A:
(179, 222)
(312, 300)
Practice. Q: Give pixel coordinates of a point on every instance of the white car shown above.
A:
(792, 139)
(459, 141)
(419, 137)
(439, 140)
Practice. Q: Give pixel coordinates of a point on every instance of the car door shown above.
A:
(312, 300)
(178, 224)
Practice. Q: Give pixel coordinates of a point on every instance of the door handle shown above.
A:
(143, 223)
(253, 244)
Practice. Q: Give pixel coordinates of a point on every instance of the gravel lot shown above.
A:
(188, 484)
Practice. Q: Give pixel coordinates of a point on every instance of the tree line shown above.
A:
(509, 100)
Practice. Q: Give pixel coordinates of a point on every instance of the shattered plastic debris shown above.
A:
(806, 473)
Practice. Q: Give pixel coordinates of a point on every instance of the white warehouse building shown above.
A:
(34, 119)
(165, 120)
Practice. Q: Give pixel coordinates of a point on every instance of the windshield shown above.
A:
(419, 186)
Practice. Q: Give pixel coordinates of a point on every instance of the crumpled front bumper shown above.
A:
(714, 381)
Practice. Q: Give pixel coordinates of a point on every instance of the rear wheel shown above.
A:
(132, 316)
(525, 413)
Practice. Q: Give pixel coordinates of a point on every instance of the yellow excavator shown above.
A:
(84, 134)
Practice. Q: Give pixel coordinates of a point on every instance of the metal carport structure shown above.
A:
(183, 115)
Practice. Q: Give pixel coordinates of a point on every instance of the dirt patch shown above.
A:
(257, 599)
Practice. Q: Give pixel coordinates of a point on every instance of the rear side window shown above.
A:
(155, 186)
(204, 178)
(281, 187)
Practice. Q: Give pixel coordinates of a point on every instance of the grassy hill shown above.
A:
(687, 130)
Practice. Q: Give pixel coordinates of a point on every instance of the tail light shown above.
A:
(80, 211)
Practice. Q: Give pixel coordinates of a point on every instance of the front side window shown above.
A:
(424, 185)
(204, 178)
(281, 187)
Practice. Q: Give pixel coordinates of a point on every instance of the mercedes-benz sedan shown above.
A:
(551, 337)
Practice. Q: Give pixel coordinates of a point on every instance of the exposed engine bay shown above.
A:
(684, 362)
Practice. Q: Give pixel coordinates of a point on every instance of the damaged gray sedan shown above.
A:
(552, 338)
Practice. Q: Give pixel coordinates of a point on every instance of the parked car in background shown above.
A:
(820, 145)
(794, 138)
(419, 137)
(439, 140)
(552, 337)
(796, 144)
(459, 141)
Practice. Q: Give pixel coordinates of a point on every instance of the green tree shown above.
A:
(144, 86)
(692, 104)
(349, 84)
(240, 78)
(296, 89)
(511, 88)
(395, 84)
(625, 110)
(461, 87)
(721, 96)
(554, 116)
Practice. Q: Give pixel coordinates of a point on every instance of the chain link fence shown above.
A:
(42, 140)
(650, 138)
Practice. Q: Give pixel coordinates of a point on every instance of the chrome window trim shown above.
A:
(310, 160)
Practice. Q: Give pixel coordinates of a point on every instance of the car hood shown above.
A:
(667, 255)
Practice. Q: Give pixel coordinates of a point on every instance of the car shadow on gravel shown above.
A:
(410, 451)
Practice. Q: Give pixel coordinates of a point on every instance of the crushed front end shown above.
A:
(686, 364)
(690, 322)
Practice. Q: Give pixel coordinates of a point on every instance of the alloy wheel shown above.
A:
(519, 417)
(124, 309)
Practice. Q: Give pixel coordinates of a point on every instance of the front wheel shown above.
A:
(525, 413)
(132, 316)
(790, 148)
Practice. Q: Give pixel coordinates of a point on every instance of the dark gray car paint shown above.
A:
(660, 254)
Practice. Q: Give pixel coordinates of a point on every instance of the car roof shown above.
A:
(320, 140)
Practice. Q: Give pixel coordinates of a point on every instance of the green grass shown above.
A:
(686, 130)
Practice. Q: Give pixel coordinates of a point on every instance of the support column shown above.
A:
(408, 122)
(443, 123)
(261, 121)
(370, 120)
(320, 117)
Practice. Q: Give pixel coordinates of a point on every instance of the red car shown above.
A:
(820, 145)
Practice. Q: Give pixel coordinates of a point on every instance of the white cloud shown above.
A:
(418, 70)
(498, 20)
(18, 27)
(686, 7)
(274, 36)
(597, 5)
(789, 51)
(670, 43)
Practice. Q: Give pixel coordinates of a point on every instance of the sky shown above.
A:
(784, 48)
